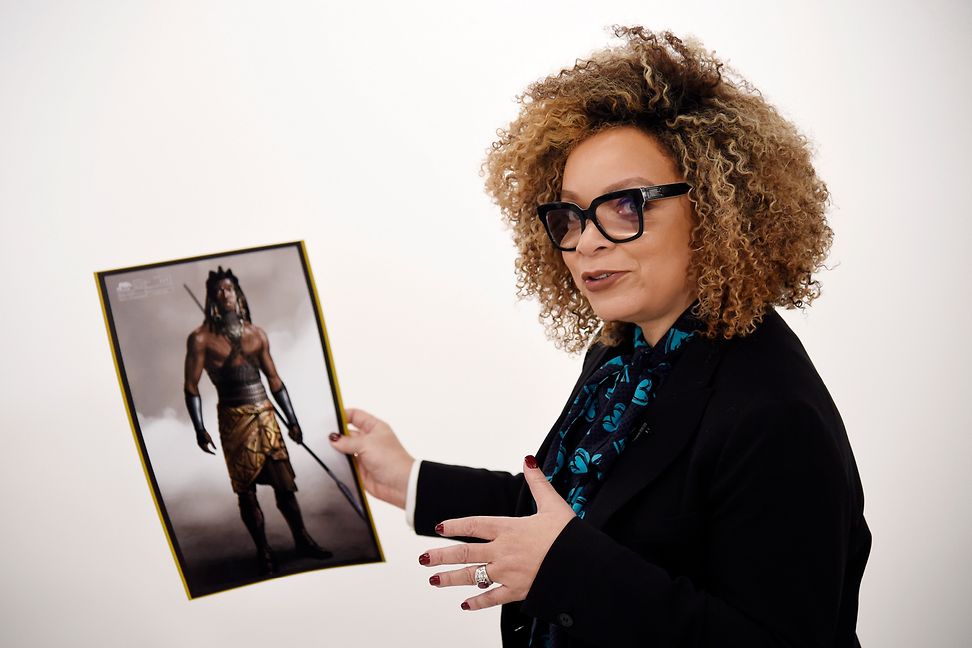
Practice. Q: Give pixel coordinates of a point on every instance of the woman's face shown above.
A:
(648, 282)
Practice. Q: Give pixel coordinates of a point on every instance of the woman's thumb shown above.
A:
(541, 489)
(344, 443)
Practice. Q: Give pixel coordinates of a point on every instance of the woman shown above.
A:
(698, 488)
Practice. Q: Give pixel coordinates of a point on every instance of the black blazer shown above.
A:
(735, 519)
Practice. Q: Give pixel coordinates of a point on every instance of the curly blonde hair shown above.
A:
(759, 232)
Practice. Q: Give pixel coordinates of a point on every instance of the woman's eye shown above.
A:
(626, 208)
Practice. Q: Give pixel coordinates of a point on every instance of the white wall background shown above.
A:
(133, 132)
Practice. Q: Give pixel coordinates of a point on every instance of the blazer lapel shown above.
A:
(591, 363)
(525, 504)
(668, 425)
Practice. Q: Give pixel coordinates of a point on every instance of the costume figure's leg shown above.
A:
(303, 542)
(253, 519)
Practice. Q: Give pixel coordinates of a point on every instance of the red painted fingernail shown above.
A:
(439, 528)
(425, 559)
(482, 585)
(333, 436)
(464, 606)
(434, 580)
(531, 461)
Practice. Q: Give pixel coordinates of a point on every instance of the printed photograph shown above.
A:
(229, 384)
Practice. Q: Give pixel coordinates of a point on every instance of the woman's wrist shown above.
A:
(411, 487)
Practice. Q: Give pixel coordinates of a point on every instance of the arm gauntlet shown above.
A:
(194, 405)
(283, 399)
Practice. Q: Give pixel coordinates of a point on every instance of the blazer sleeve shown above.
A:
(445, 492)
(776, 544)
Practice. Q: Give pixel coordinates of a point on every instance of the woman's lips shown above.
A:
(594, 284)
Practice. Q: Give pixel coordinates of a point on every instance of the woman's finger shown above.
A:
(496, 596)
(458, 554)
(464, 576)
(478, 526)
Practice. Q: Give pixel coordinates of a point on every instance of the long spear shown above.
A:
(341, 485)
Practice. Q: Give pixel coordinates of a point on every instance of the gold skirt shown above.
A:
(254, 448)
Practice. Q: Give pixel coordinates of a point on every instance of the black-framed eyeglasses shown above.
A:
(619, 215)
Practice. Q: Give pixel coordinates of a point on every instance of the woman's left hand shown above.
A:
(516, 547)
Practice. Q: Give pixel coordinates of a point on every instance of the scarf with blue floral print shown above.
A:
(606, 410)
(600, 421)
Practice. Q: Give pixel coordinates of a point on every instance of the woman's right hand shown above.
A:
(383, 463)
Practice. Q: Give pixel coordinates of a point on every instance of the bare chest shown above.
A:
(220, 350)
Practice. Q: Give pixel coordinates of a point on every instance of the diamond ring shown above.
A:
(482, 578)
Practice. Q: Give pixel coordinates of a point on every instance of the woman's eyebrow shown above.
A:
(614, 186)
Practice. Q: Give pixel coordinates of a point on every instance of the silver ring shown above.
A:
(482, 578)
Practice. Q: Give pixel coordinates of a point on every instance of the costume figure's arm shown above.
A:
(195, 360)
(277, 387)
(446, 492)
(266, 360)
(776, 547)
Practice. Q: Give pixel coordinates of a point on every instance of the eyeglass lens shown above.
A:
(618, 219)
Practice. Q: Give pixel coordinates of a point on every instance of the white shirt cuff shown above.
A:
(410, 494)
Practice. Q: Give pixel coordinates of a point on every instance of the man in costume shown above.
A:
(233, 352)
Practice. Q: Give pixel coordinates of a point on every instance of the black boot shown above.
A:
(252, 516)
(303, 543)
(307, 548)
(266, 562)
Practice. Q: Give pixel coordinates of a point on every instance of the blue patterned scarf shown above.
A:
(602, 418)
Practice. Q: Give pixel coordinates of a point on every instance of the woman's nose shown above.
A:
(591, 240)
